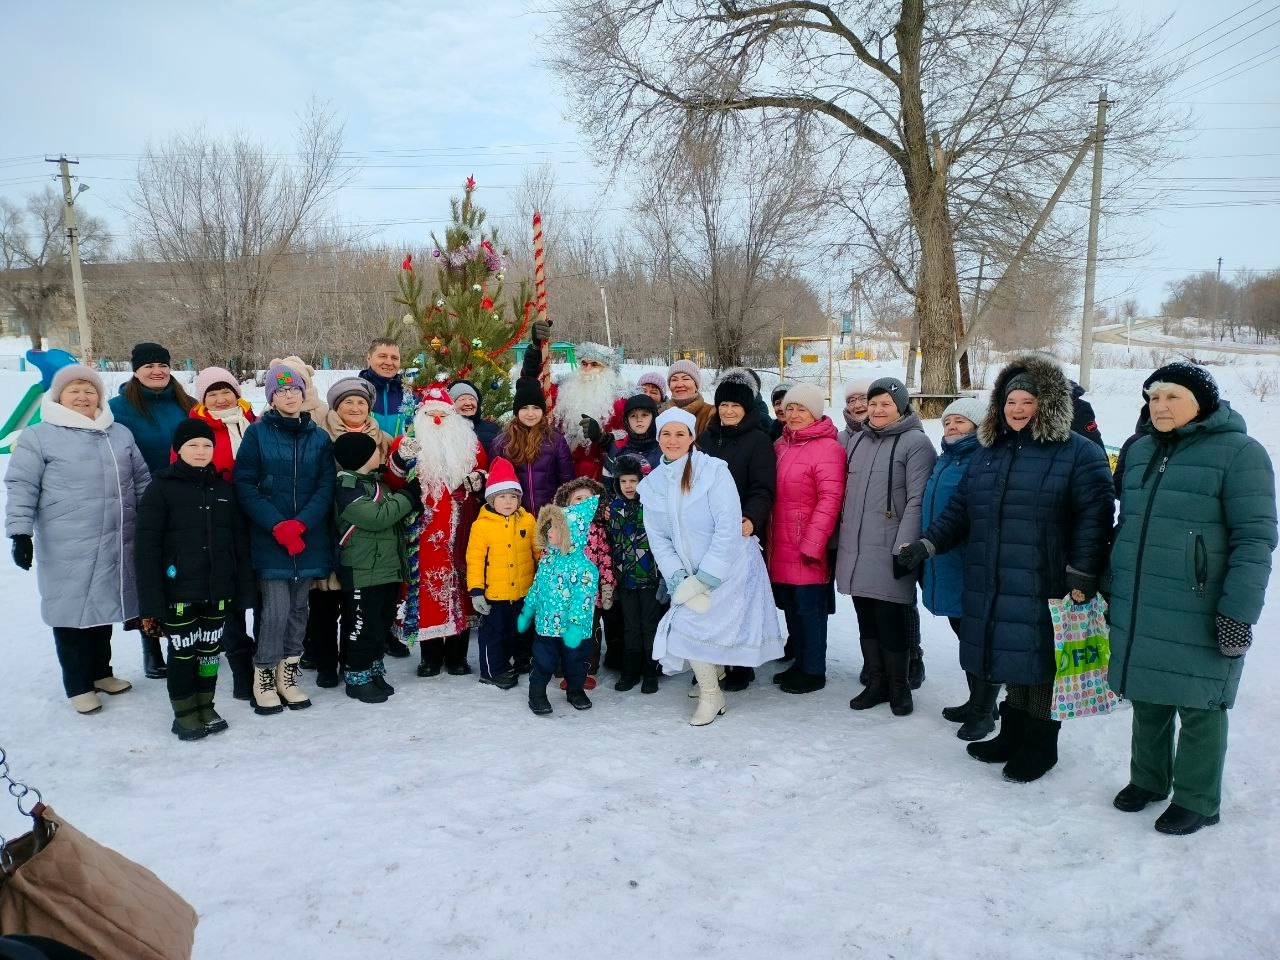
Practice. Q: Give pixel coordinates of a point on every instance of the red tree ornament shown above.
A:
(408, 263)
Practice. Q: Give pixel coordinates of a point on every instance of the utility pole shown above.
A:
(608, 335)
(73, 235)
(1091, 256)
(1213, 316)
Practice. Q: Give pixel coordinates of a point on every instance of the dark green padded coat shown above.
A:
(1197, 529)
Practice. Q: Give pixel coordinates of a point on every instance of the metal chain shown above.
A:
(20, 792)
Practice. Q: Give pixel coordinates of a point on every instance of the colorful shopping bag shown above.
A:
(1083, 651)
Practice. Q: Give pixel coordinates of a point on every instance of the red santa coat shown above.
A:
(443, 603)
(588, 458)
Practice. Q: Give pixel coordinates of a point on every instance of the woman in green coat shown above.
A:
(1189, 570)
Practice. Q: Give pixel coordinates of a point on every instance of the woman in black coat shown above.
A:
(734, 435)
(1035, 510)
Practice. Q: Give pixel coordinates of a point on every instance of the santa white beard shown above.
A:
(447, 450)
(582, 395)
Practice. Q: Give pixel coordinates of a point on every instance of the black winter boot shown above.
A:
(630, 673)
(1038, 753)
(538, 701)
(982, 702)
(1134, 798)
(803, 683)
(1180, 821)
(432, 653)
(650, 682)
(153, 658)
(915, 671)
(1005, 744)
(784, 675)
(897, 669)
(876, 687)
(395, 647)
(455, 654)
(737, 679)
(959, 714)
(578, 699)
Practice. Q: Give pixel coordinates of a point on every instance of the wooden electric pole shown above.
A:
(1091, 255)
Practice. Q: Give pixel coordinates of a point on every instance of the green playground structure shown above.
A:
(24, 414)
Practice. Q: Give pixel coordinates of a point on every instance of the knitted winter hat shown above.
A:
(780, 390)
(676, 415)
(191, 429)
(640, 401)
(211, 378)
(350, 387)
(597, 353)
(73, 372)
(856, 387)
(629, 465)
(808, 396)
(1194, 378)
(354, 450)
(502, 479)
(463, 388)
(971, 408)
(896, 390)
(653, 379)
(735, 391)
(528, 394)
(1024, 382)
(280, 375)
(144, 353)
(685, 366)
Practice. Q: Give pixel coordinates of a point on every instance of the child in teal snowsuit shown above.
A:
(561, 603)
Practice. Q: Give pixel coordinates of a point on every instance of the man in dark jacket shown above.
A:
(383, 371)
(1083, 420)
(466, 401)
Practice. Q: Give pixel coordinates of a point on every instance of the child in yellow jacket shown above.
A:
(501, 561)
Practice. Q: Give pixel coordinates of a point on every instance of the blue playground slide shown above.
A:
(48, 362)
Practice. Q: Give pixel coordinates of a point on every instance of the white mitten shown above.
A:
(699, 603)
(689, 588)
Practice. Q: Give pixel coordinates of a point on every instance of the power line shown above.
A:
(1206, 85)
(1209, 43)
(1214, 26)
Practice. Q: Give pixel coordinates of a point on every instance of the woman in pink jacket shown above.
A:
(811, 477)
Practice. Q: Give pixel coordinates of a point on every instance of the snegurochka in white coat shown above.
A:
(722, 610)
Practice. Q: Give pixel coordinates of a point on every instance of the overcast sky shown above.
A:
(431, 93)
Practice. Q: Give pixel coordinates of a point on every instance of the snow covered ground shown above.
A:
(450, 822)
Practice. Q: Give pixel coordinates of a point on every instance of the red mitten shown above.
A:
(287, 530)
(294, 546)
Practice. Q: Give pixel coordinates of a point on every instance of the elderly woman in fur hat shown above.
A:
(1034, 511)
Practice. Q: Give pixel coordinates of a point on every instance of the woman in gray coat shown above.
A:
(889, 462)
(73, 483)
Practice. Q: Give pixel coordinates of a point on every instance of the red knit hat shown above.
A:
(502, 479)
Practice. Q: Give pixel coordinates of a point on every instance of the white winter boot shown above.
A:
(710, 696)
(265, 699)
(693, 689)
(287, 684)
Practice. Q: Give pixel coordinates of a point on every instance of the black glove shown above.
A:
(23, 550)
(1234, 638)
(910, 556)
(413, 490)
(591, 429)
(1086, 583)
(541, 333)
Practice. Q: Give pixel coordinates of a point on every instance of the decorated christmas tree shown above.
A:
(463, 329)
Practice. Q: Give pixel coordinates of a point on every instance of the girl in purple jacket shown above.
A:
(535, 448)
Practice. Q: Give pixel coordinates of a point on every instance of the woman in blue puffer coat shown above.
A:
(1034, 511)
(943, 582)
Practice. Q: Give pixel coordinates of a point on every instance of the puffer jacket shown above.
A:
(501, 558)
(1030, 504)
(371, 537)
(1197, 530)
(388, 397)
(753, 464)
(541, 478)
(634, 566)
(887, 471)
(73, 486)
(285, 471)
(562, 599)
(943, 586)
(153, 429)
(191, 544)
(811, 484)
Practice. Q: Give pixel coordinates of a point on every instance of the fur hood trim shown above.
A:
(593, 487)
(550, 517)
(1052, 423)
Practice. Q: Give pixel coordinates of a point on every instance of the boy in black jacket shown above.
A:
(192, 560)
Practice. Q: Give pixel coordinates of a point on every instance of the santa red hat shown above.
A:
(502, 479)
(435, 399)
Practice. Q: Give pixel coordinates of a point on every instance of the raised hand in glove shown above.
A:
(591, 428)
(23, 550)
(911, 555)
(474, 481)
(1234, 638)
(480, 604)
(541, 332)
(1083, 587)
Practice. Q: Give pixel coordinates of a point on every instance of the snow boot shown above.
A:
(1004, 745)
(693, 687)
(1134, 798)
(266, 700)
(213, 723)
(112, 686)
(875, 686)
(737, 679)
(897, 670)
(395, 647)
(782, 676)
(362, 686)
(650, 682)
(287, 685)
(1179, 821)
(630, 673)
(800, 682)
(455, 655)
(241, 667)
(432, 653)
(503, 681)
(982, 714)
(1038, 753)
(710, 698)
(186, 719)
(153, 659)
(87, 703)
(380, 678)
(960, 713)
(538, 701)
(915, 671)
(578, 699)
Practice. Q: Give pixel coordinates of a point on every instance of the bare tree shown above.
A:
(954, 108)
(35, 274)
(226, 214)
